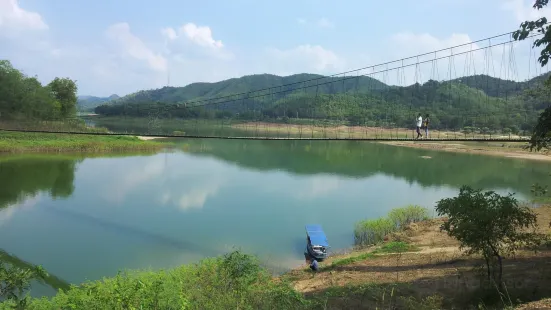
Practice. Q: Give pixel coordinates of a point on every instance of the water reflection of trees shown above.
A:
(23, 177)
(28, 176)
(364, 159)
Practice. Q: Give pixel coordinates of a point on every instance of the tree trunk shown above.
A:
(500, 270)
(488, 266)
(500, 274)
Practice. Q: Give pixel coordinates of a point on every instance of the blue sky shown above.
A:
(123, 46)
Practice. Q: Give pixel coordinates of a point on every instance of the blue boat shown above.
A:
(316, 242)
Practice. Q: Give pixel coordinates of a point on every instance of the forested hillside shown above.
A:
(250, 83)
(89, 103)
(25, 98)
(475, 101)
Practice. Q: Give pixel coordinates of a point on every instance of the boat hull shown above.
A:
(313, 254)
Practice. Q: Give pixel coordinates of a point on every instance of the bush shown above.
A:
(234, 281)
(489, 224)
(369, 232)
(402, 217)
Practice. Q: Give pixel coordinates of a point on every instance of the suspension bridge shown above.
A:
(474, 91)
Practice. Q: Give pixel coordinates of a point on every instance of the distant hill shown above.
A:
(493, 87)
(496, 87)
(89, 103)
(198, 91)
(475, 101)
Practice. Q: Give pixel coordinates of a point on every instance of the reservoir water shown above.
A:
(83, 218)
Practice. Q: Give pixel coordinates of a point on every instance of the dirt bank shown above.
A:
(436, 267)
(149, 138)
(502, 149)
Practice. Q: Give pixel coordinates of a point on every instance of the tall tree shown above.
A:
(64, 91)
(541, 136)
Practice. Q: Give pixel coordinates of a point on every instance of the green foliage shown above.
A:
(489, 224)
(402, 217)
(89, 103)
(369, 232)
(234, 281)
(348, 261)
(387, 248)
(23, 97)
(542, 132)
(65, 92)
(538, 26)
(541, 136)
(395, 247)
(15, 282)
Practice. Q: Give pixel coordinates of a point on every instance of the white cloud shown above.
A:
(194, 198)
(306, 58)
(14, 18)
(7, 212)
(127, 181)
(523, 10)
(319, 186)
(191, 42)
(200, 35)
(301, 21)
(134, 47)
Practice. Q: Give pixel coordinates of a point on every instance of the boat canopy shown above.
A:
(316, 234)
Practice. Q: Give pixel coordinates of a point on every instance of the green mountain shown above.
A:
(279, 86)
(89, 103)
(496, 87)
(480, 101)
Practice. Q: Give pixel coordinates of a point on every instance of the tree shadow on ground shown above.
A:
(460, 287)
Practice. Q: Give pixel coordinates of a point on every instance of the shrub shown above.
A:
(234, 281)
(368, 232)
(489, 224)
(402, 217)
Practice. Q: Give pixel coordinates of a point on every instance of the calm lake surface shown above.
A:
(85, 218)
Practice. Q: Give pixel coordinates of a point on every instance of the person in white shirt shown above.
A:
(419, 124)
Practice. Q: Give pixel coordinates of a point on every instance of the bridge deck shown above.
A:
(272, 138)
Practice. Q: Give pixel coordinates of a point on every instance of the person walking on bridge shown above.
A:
(419, 124)
(426, 125)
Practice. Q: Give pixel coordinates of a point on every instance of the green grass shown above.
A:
(396, 247)
(234, 281)
(402, 217)
(20, 142)
(387, 248)
(369, 232)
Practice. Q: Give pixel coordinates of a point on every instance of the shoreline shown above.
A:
(514, 149)
(419, 262)
(25, 142)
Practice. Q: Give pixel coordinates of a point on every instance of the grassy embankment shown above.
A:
(21, 142)
(410, 264)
